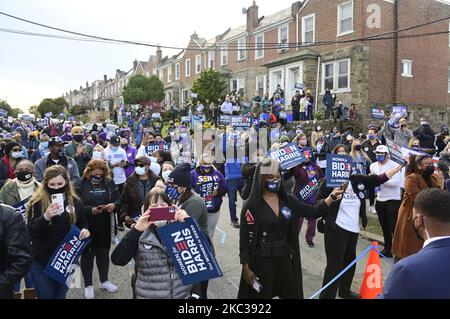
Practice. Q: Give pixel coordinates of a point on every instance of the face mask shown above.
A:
(97, 155)
(429, 170)
(153, 159)
(206, 168)
(173, 193)
(416, 147)
(381, 158)
(125, 147)
(78, 138)
(140, 171)
(160, 223)
(371, 136)
(358, 148)
(319, 129)
(114, 148)
(24, 176)
(272, 186)
(44, 144)
(16, 155)
(96, 179)
(165, 175)
(53, 191)
(341, 153)
(60, 153)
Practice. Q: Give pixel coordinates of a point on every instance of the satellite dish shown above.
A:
(244, 10)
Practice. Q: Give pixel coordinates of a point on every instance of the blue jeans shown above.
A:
(46, 287)
(28, 282)
(234, 186)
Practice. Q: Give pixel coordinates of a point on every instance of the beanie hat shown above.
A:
(181, 175)
(10, 146)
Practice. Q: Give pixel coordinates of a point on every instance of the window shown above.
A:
(242, 54)
(211, 56)
(224, 55)
(259, 52)
(407, 68)
(261, 85)
(187, 68)
(234, 85)
(345, 18)
(308, 29)
(198, 64)
(169, 74)
(185, 96)
(283, 37)
(161, 75)
(336, 76)
(177, 71)
(449, 80)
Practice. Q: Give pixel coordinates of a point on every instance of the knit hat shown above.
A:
(181, 175)
(10, 146)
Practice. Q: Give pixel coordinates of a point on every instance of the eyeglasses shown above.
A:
(124, 145)
(141, 165)
(16, 149)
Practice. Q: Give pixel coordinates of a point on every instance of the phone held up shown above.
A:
(59, 199)
(162, 214)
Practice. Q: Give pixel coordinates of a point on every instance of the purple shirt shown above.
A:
(131, 154)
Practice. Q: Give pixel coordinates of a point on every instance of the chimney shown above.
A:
(194, 36)
(87, 85)
(105, 78)
(252, 17)
(296, 6)
(135, 64)
(158, 55)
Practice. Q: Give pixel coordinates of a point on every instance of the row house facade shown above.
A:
(333, 44)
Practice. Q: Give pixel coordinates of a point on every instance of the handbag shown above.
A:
(321, 225)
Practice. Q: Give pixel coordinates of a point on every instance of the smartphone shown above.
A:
(344, 186)
(162, 213)
(59, 199)
(256, 285)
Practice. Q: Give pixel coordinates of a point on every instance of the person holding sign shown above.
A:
(16, 193)
(48, 224)
(155, 276)
(341, 228)
(388, 197)
(268, 243)
(100, 199)
(211, 185)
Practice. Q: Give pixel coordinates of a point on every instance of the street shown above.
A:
(313, 264)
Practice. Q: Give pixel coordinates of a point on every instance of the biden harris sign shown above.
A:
(289, 156)
(339, 168)
(190, 251)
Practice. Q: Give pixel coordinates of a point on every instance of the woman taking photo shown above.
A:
(419, 176)
(341, 229)
(210, 184)
(155, 275)
(100, 199)
(268, 243)
(360, 159)
(47, 227)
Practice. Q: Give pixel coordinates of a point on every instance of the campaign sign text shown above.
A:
(308, 189)
(225, 120)
(289, 156)
(339, 168)
(157, 147)
(377, 113)
(190, 252)
(60, 267)
(185, 119)
(395, 152)
(206, 185)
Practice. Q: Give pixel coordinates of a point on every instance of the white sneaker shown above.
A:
(108, 286)
(372, 210)
(89, 292)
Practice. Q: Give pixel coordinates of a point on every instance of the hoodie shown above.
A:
(206, 183)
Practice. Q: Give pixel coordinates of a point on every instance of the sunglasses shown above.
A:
(16, 149)
(141, 165)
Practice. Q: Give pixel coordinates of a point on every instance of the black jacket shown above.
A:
(15, 250)
(247, 171)
(46, 235)
(444, 165)
(99, 225)
(248, 235)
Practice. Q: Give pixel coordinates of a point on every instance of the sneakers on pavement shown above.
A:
(89, 292)
(372, 210)
(108, 286)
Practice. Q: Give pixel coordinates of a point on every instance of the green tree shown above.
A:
(209, 86)
(55, 106)
(15, 112)
(4, 105)
(34, 110)
(141, 89)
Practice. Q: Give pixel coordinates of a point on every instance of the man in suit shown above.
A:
(425, 275)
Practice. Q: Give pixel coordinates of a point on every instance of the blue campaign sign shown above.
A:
(377, 113)
(339, 168)
(399, 109)
(21, 207)
(185, 119)
(306, 190)
(225, 120)
(49, 114)
(190, 251)
(241, 121)
(61, 264)
(289, 156)
(72, 118)
(157, 147)
(299, 86)
(395, 152)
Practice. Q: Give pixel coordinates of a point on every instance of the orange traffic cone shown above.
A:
(372, 284)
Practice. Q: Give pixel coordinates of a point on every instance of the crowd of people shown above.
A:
(110, 179)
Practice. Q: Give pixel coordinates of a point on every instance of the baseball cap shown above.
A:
(382, 149)
(56, 141)
(114, 140)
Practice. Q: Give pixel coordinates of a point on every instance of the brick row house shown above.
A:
(369, 72)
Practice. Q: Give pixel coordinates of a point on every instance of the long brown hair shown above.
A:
(100, 165)
(42, 195)
(153, 196)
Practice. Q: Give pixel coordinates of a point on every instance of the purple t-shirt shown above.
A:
(131, 154)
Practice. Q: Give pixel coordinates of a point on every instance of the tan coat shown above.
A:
(405, 241)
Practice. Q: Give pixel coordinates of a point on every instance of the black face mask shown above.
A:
(428, 171)
(358, 147)
(96, 179)
(53, 191)
(24, 176)
(78, 138)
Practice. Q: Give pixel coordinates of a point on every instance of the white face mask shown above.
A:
(153, 159)
(97, 155)
(165, 175)
(140, 171)
(16, 155)
(160, 223)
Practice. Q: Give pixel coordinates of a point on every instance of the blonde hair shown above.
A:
(42, 195)
(411, 141)
(353, 151)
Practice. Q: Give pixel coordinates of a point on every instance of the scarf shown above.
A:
(25, 189)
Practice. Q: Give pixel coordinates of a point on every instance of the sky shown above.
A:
(34, 68)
